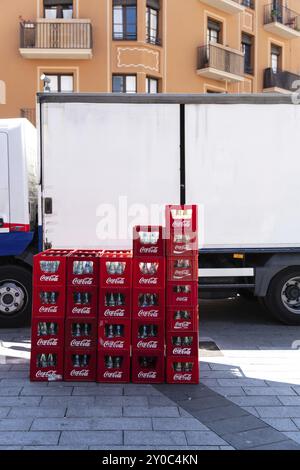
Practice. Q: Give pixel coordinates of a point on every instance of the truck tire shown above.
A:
(15, 296)
(283, 296)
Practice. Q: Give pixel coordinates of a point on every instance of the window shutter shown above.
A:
(214, 25)
(155, 4)
(125, 3)
(52, 3)
(247, 39)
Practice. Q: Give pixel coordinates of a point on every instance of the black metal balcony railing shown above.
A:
(220, 58)
(56, 35)
(283, 15)
(282, 79)
(153, 40)
(28, 113)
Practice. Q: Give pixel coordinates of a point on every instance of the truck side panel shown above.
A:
(245, 180)
(107, 163)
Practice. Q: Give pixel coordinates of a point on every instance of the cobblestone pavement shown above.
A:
(249, 396)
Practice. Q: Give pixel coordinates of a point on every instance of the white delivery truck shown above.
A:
(109, 162)
(19, 180)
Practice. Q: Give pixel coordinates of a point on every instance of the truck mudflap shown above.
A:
(14, 243)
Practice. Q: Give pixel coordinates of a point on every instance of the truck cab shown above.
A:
(18, 218)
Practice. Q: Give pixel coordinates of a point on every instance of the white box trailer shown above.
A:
(109, 162)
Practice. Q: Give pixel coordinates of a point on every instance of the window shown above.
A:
(152, 21)
(151, 85)
(58, 9)
(61, 83)
(124, 19)
(124, 84)
(248, 4)
(214, 31)
(276, 55)
(247, 48)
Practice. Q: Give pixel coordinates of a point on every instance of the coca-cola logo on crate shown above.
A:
(183, 377)
(148, 313)
(182, 248)
(147, 250)
(148, 281)
(79, 373)
(182, 351)
(182, 325)
(115, 281)
(86, 281)
(47, 342)
(51, 278)
(83, 343)
(81, 310)
(181, 224)
(147, 375)
(181, 299)
(114, 344)
(42, 374)
(52, 309)
(118, 374)
(119, 312)
(147, 344)
(179, 273)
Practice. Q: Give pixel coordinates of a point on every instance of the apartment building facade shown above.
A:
(146, 46)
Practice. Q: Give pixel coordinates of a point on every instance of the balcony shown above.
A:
(218, 62)
(56, 39)
(282, 21)
(229, 6)
(280, 82)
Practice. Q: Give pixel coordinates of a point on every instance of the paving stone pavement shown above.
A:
(249, 396)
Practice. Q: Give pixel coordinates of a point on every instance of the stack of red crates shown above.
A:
(148, 305)
(81, 317)
(48, 315)
(182, 294)
(114, 323)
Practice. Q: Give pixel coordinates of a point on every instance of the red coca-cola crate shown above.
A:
(180, 243)
(149, 272)
(182, 293)
(49, 301)
(184, 268)
(116, 269)
(148, 335)
(148, 367)
(49, 268)
(82, 302)
(182, 319)
(113, 367)
(182, 370)
(47, 332)
(148, 240)
(114, 335)
(115, 303)
(83, 268)
(148, 303)
(183, 344)
(81, 333)
(80, 365)
(46, 364)
(181, 218)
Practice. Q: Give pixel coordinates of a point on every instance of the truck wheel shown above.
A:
(15, 296)
(283, 297)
